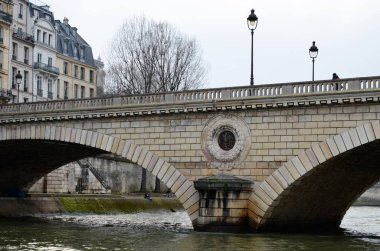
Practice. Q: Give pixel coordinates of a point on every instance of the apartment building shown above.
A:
(6, 12)
(77, 78)
(21, 53)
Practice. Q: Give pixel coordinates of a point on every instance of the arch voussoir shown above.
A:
(265, 200)
(164, 171)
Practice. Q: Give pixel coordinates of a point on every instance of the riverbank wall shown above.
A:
(29, 206)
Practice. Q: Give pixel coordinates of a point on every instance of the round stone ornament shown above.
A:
(226, 141)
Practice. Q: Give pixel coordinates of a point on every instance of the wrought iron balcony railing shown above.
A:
(47, 68)
(5, 16)
(22, 35)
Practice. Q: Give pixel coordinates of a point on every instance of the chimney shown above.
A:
(66, 20)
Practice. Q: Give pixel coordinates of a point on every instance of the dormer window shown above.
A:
(65, 42)
(81, 53)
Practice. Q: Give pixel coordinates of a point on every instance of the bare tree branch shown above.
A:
(147, 56)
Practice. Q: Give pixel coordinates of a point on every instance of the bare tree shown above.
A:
(147, 57)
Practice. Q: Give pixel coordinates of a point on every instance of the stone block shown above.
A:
(257, 190)
(298, 165)
(326, 150)
(347, 140)
(339, 143)
(376, 129)
(173, 179)
(183, 188)
(354, 137)
(169, 173)
(369, 132)
(274, 184)
(157, 167)
(293, 170)
(333, 147)
(257, 206)
(286, 175)
(136, 154)
(305, 161)
(362, 135)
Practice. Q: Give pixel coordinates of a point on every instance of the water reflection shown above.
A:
(172, 231)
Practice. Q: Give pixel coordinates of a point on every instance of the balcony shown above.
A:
(22, 35)
(4, 16)
(46, 68)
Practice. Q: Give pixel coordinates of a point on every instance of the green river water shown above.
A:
(172, 231)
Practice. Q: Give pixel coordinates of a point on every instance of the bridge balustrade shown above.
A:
(299, 88)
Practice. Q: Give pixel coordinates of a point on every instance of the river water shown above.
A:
(173, 231)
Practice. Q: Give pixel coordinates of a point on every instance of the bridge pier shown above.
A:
(223, 204)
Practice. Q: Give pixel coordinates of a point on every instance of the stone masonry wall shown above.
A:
(276, 135)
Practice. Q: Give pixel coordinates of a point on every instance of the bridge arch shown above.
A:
(314, 189)
(43, 140)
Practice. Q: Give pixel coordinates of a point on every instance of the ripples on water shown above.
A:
(173, 231)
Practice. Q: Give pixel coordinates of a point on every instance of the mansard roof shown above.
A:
(69, 35)
(43, 12)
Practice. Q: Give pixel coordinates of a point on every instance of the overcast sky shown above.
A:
(347, 33)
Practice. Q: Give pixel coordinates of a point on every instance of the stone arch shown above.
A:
(164, 171)
(314, 189)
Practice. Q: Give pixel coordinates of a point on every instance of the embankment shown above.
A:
(16, 207)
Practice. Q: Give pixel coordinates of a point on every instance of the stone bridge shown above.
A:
(310, 149)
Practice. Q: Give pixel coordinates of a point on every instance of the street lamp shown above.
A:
(252, 24)
(313, 52)
(18, 82)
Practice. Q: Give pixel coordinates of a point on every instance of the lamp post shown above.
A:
(313, 52)
(18, 82)
(252, 24)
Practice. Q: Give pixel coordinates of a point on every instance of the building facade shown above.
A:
(77, 78)
(21, 53)
(6, 13)
(53, 60)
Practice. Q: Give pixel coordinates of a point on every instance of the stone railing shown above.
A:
(248, 92)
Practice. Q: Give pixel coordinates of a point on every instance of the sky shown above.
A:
(347, 34)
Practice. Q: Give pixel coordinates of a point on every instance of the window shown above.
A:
(1, 59)
(82, 92)
(82, 73)
(91, 76)
(75, 52)
(38, 35)
(44, 37)
(26, 100)
(65, 89)
(26, 80)
(14, 72)
(14, 51)
(58, 88)
(50, 40)
(39, 86)
(65, 68)
(91, 92)
(1, 35)
(65, 46)
(39, 57)
(82, 53)
(21, 11)
(50, 88)
(75, 71)
(75, 91)
(26, 55)
(50, 61)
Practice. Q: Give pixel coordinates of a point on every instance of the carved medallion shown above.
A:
(226, 141)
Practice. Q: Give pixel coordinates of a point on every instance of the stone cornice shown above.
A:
(157, 108)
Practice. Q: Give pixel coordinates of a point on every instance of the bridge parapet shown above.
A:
(231, 93)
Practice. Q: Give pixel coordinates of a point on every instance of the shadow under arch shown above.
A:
(29, 151)
(313, 190)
